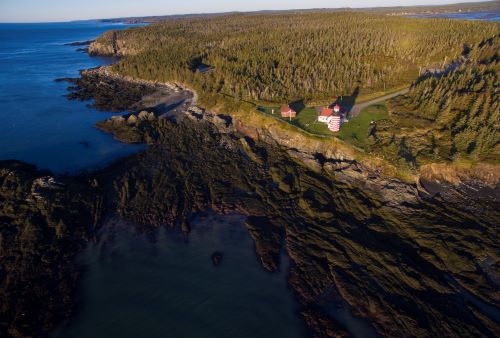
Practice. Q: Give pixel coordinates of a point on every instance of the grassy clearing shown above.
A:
(307, 119)
(356, 130)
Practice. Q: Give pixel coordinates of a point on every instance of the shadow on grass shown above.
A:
(347, 102)
(298, 106)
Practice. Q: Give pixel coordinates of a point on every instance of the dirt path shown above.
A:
(166, 103)
(360, 106)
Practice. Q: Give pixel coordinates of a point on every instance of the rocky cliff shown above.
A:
(111, 43)
(475, 187)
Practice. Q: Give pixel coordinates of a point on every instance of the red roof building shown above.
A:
(287, 111)
(325, 113)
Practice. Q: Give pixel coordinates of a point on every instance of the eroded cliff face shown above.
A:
(476, 188)
(111, 44)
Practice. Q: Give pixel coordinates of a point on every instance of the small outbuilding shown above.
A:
(287, 111)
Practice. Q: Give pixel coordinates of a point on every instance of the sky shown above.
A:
(66, 10)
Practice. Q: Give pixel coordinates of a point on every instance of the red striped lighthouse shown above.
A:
(334, 123)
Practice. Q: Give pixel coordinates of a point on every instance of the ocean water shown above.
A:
(481, 16)
(138, 286)
(38, 124)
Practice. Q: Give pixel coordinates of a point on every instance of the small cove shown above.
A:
(166, 285)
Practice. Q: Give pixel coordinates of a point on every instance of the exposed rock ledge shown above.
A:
(476, 189)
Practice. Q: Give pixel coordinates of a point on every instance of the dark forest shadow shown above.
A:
(347, 102)
(298, 105)
(165, 108)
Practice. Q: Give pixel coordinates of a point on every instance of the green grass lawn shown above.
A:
(356, 130)
(306, 119)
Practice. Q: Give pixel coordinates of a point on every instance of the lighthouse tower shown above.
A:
(334, 120)
(334, 123)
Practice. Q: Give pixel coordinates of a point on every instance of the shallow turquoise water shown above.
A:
(38, 124)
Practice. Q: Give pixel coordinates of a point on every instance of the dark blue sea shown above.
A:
(38, 124)
(134, 287)
(481, 15)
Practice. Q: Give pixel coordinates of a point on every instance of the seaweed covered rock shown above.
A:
(44, 222)
(141, 128)
(399, 263)
(108, 93)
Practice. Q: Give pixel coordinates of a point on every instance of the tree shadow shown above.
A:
(163, 108)
(406, 153)
(298, 105)
(346, 103)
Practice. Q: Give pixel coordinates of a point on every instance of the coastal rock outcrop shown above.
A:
(132, 119)
(44, 222)
(393, 250)
(110, 44)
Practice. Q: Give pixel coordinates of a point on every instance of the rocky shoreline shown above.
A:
(110, 92)
(385, 247)
(451, 184)
(336, 153)
(45, 221)
(331, 191)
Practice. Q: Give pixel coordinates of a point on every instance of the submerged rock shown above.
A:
(79, 43)
(185, 228)
(216, 258)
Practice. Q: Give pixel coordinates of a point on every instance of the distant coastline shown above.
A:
(425, 11)
(468, 15)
